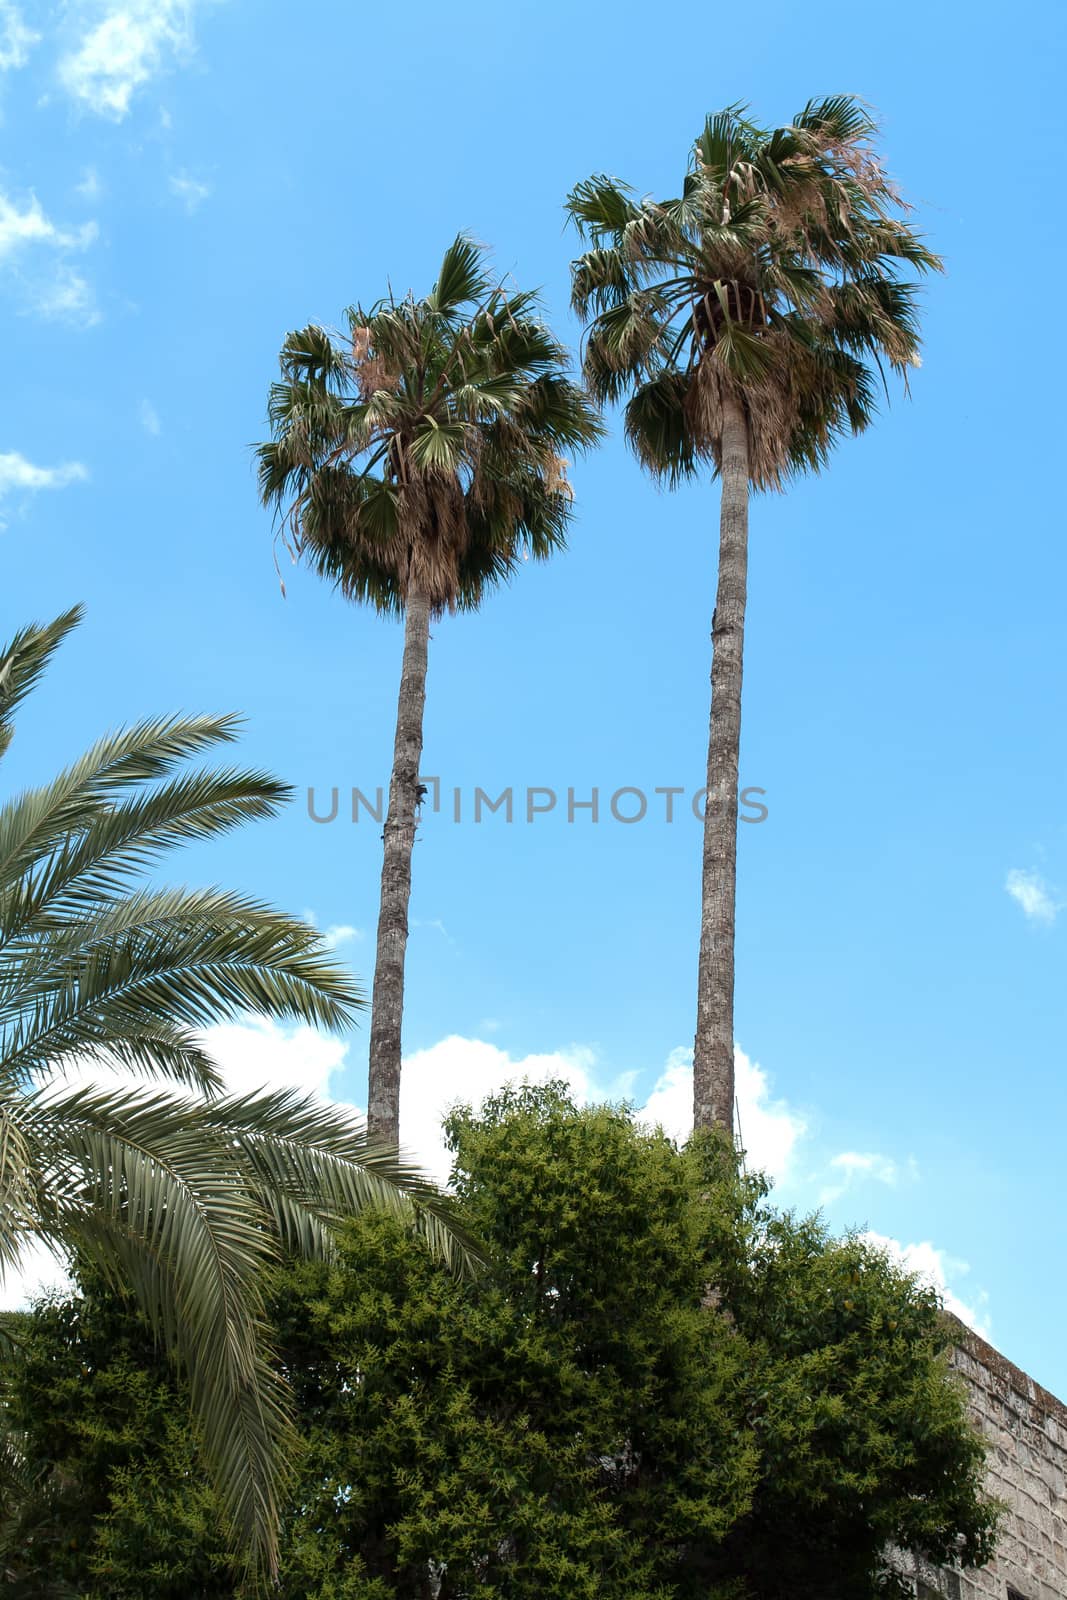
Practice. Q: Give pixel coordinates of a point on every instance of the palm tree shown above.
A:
(179, 1195)
(417, 462)
(742, 320)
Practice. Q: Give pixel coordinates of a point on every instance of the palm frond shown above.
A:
(601, 206)
(24, 660)
(658, 429)
(461, 277)
(142, 1190)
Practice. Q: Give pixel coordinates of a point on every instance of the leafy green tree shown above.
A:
(115, 1501)
(180, 1197)
(416, 464)
(561, 1427)
(583, 1419)
(743, 320)
(864, 1440)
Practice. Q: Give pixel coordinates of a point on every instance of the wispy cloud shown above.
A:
(18, 473)
(27, 224)
(192, 192)
(19, 476)
(435, 925)
(90, 187)
(857, 1166)
(64, 295)
(338, 933)
(16, 39)
(34, 251)
(119, 51)
(150, 418)
(1030, 891)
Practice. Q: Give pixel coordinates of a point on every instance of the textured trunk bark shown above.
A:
(713, 1053)
(387, 1000)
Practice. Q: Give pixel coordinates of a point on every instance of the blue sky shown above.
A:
(181, 184)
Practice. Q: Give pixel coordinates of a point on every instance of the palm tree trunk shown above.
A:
(713, 1053)
(387, 1000)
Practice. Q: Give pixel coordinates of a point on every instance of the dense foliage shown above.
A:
(661, 1389)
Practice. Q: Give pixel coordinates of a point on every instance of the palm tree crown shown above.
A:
(178, 1194)
(776, 277)
(428, 447)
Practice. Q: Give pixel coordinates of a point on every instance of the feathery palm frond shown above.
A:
(180, 1198)
(26, 658)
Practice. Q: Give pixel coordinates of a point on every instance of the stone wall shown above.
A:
(1026, 1428)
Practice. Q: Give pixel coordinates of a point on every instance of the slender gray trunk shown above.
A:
(713, 1053)
(387, 1000)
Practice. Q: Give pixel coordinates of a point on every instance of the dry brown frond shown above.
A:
(370, 371)
(556, 476)
(433, 516)
(770, 409)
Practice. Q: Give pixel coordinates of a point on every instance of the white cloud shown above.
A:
(457, 1069)
(1030, 891)
(38, 1272)
(34, 248)
(19, 476)
(936, 1268)
(260, 1054)
(149, 418)
(28, 225)
(192, 192)
(118, 54)
(16, 40)
(65, 296)
(338, 933)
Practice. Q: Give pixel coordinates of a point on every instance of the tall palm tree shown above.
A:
(416, 463)
(742, 320)
(179, 1194)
